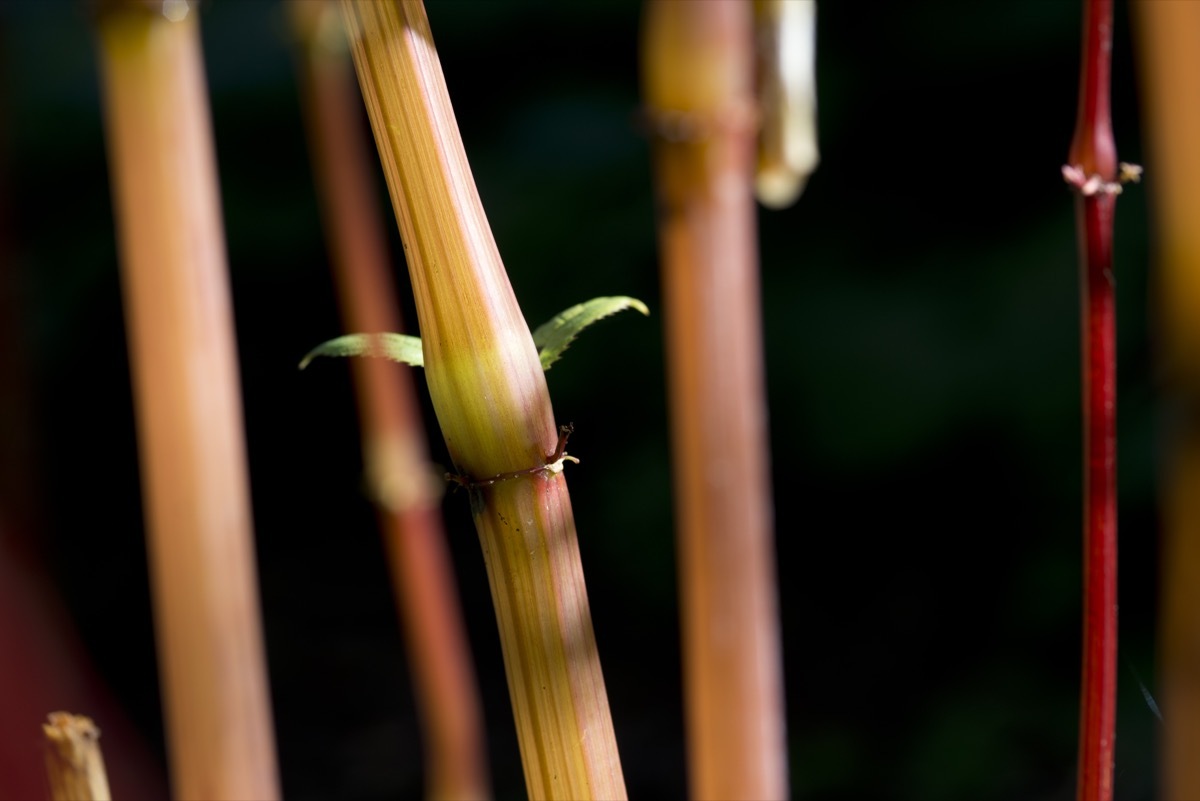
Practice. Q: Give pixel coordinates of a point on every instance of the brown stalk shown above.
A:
(74, 764)
(187, 399)
(400, 479)
(1169, 39)
(698, 80)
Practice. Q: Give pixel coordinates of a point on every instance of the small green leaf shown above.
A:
(550, 338)
(397, 347)
(553, 337)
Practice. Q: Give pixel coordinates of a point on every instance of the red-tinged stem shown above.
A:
(698, 70)
(1093, 152)
(1093, 147)
(1098, 713)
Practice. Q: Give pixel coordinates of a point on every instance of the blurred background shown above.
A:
(920, 307)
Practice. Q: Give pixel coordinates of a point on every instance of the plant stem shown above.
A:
(74, 764)
(1169, 39)
(527, 530)
(187, 399)
(1098, 713)
(1093, 153)
(487, 387)
(699, 89)
(399, 475)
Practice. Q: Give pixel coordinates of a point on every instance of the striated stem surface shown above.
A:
(490, 395)
(485, 379)
(527, 530)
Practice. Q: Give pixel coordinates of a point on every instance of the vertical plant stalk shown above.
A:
(1092, 170)
(187, 399)
(698, 85)
(490, 396)
(74, 764)
(1169, 39)
(399, 477)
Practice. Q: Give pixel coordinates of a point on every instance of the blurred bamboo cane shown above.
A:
(187, 398)
(698, 87)
(1168, 35)
(399, 477)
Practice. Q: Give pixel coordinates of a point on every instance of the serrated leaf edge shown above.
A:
(556, 334)
(400, 348)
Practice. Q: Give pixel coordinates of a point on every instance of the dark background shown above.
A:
(920, 308)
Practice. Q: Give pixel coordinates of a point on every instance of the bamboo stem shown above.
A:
(1093, 156)
(1099, 687)
(399, 475)
(1169, 39)
(187, 398)
(699, 89)
(560, 704)
(493, 407)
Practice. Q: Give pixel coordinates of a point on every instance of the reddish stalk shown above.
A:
(698, 85)
(1092, 171)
